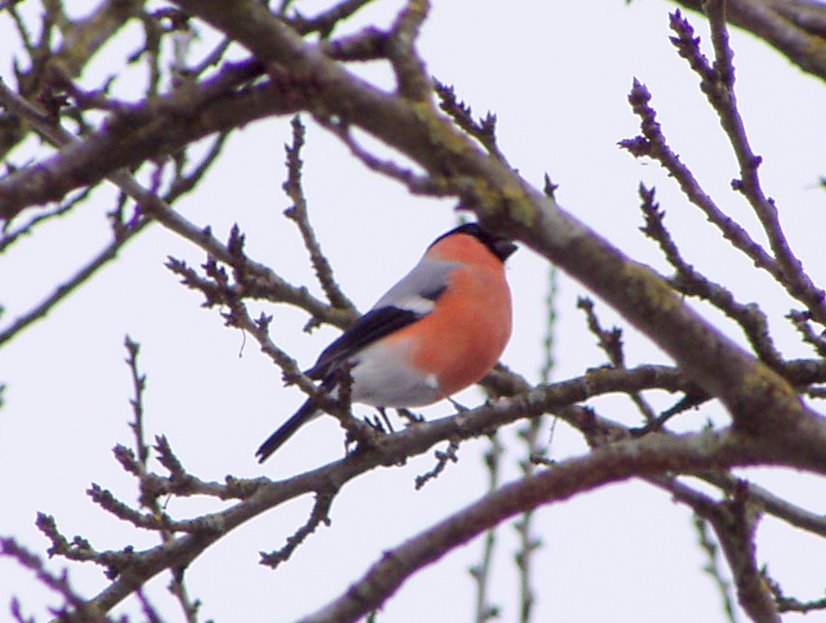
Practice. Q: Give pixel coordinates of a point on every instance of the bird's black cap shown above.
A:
(499, 246)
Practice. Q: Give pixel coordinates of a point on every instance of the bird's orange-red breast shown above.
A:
(465, 335)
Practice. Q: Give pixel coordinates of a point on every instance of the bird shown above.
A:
(440, 329)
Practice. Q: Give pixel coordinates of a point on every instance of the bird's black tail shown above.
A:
(306, 413)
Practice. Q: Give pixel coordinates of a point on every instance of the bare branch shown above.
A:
(7, 238)
(319, 515)
(80, 40)
(611, 343)
(734, 522)
(411, 75)
(130, 136)
(690, 281)
(442, 459)
(796, 28)
(790, 604)
(653, 144)
(712, 568)
(104, 256)
(483, 131)
(801, 322)
(482, 572)
(612, 463)
(123, 230)
(325, 22)
(83, 612)
(367, 45)
(299, 215)
(416, 184)
(717, 83)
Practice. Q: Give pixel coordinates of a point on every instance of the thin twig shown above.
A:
(712, 566)
(166, 528)
(324, 22)
(611, 344)
(442, 459)
(800, 320)
(417, 184)
(319, 515)
(298, 214)
(7, 238)
(691, 282)
(60, 584)
(104, 256)
(482, 572)
(483, 130)
(528, 542)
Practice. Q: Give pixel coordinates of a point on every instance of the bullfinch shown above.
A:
(438, 330)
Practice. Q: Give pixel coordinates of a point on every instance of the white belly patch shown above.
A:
(382, 380)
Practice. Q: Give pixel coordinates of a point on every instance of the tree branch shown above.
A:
(613, 463)
(796, 28)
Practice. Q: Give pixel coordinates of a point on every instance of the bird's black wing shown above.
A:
(372, 326)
